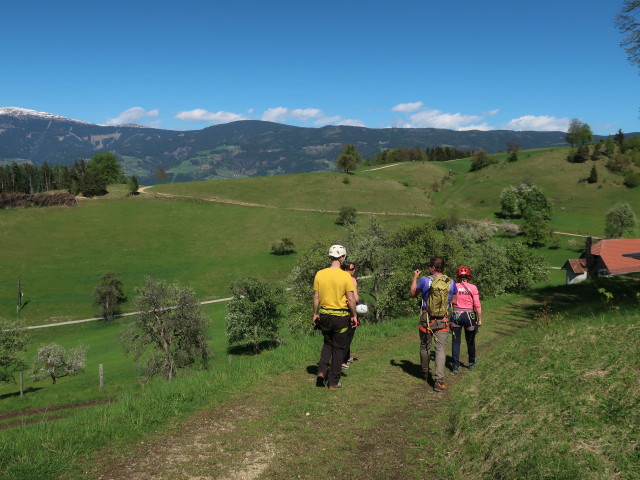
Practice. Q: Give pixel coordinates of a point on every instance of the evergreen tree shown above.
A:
(593, 176)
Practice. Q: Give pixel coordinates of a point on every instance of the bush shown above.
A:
(632, 179)
(346, 216)
(284, 247)
(481, 159)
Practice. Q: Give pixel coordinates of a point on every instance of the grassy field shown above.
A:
(576, 420)
(60, 254)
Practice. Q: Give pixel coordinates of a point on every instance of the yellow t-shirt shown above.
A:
(332, 284)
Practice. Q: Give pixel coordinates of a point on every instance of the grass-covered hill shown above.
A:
(555, 395)
(205, 234)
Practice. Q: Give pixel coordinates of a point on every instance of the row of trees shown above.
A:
(88, 178)
(350, 158)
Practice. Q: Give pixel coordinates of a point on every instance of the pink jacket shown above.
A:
(467, 298)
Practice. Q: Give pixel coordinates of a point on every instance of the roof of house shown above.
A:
(619, 254)
(576, 265)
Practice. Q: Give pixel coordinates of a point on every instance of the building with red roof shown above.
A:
(605, 258)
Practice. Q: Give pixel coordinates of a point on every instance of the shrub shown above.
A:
(346, 216)
(284, 247)
(632, 179)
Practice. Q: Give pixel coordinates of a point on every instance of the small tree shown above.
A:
(620, 219)
(284, 247)
(133, 185)
(535, 227)
(578, 133)
(53, 361)
(13, 343)
(253, 313)
(513, 148)
(509, 202)
(346, 216)
(108, 295)
(593, 176)
(170, 331)
(481, 159)
(348, 158)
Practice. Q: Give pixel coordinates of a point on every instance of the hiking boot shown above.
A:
(472, 363)
(337, 385)
(455, 370)
(320, 380)
(439, 386)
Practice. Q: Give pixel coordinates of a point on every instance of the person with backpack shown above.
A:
(438, 291)
(334, 309)
(467, 314)
(350, 268)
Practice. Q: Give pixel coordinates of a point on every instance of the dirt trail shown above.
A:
(278, 430)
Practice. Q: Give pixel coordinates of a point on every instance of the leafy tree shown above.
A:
(535, 227)
(348, 158)
(619, 138)
(481, 159)
(509, 202)
(628, 22)
(170, 331)
(346, 216)
(133, 185)
(13, 343)
(620, 219)
(369, 247)
(53, 361)
(108, 166)
(253, 312)
(593, 176)
(578, 133)
(533, 198)
(284, 247)
(108, 295)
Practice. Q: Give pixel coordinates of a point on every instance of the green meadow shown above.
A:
(206, 234)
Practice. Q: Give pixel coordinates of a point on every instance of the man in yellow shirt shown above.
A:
(333, 301)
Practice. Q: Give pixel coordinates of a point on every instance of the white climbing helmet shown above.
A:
(361, 309)
(337, 251)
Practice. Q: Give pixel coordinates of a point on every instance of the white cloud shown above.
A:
(133, 115)
(201, 115)
(328, 120)
(351, 122)
(543, 123)
(438, 119)
(491, 113)
(481, 126)
(277, 114)
(305, 113)
(281, 114)
(407, 107)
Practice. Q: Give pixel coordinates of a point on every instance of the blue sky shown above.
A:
(495, 64)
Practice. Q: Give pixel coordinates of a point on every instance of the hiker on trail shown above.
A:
(467, 314)
(437, 290)
(350, 268)
(334, 309)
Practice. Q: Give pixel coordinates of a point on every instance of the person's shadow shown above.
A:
(410, 368)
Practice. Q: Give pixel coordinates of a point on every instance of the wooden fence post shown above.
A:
(21, 384)
(101, 373)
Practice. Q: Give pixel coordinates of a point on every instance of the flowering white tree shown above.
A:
(53, 361)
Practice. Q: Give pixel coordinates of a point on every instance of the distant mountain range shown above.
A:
(243, 148)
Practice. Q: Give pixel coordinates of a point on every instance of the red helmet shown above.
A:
(464, 272)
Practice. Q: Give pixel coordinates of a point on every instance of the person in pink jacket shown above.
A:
(467, 314)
